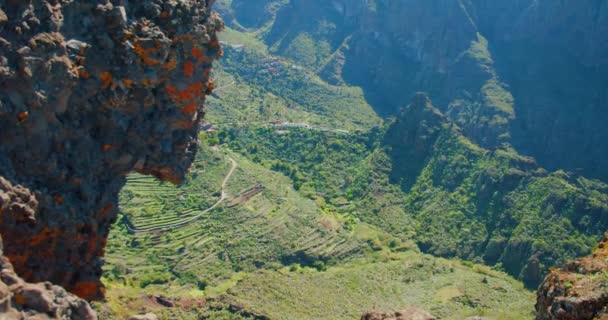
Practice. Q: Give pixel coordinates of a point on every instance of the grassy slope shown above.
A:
(233, 252)
(448, 289)
(255, 86)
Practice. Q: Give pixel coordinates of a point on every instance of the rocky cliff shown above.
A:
(21, 300)
(578, 291)
(89, 91)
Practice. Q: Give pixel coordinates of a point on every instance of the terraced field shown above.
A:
(274, 228)
(266, 249)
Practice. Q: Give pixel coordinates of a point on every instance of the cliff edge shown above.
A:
(89, 91)
(578, 291)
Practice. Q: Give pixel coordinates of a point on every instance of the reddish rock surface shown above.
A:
(578, 291)
(89, 91)
(21, 300)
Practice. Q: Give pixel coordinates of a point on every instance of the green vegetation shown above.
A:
(346, 174)
(274, 235)
(324, 223)
(256, 87)
(448, 289)
(494, 206)
(304, 50)
(275, 227)
(456, 199)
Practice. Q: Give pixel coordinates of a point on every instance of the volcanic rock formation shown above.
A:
(89, 91)
(577, 291)
(20, 300)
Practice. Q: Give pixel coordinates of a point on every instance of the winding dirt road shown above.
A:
(223, 197)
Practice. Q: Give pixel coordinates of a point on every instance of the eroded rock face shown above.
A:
(89, 91)
(21, 300)
(578, 291)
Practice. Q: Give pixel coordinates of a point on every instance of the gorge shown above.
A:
(448, 155)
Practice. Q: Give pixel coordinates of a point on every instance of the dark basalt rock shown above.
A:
(21, 300)
(89, 91)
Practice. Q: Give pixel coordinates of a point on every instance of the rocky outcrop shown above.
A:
(578, 291)
(408, 314)
(21, 300)
(89, 91)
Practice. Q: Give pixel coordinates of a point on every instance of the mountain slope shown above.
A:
(527, 73)
(496, 205)
(422, 180)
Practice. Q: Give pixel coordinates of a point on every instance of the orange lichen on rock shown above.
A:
(146, 82)
(167, 174)
(144, 53)
(88, 290)
(189, 109)
(188, 68)
(186, 37)
(210, 86)
(47, 234)
(106, 77)
(190, 93)
(171, 63)
(92, 244)
(98, 111)
(197, 53)
(22, 116)
(20, 299)
(83, 73)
